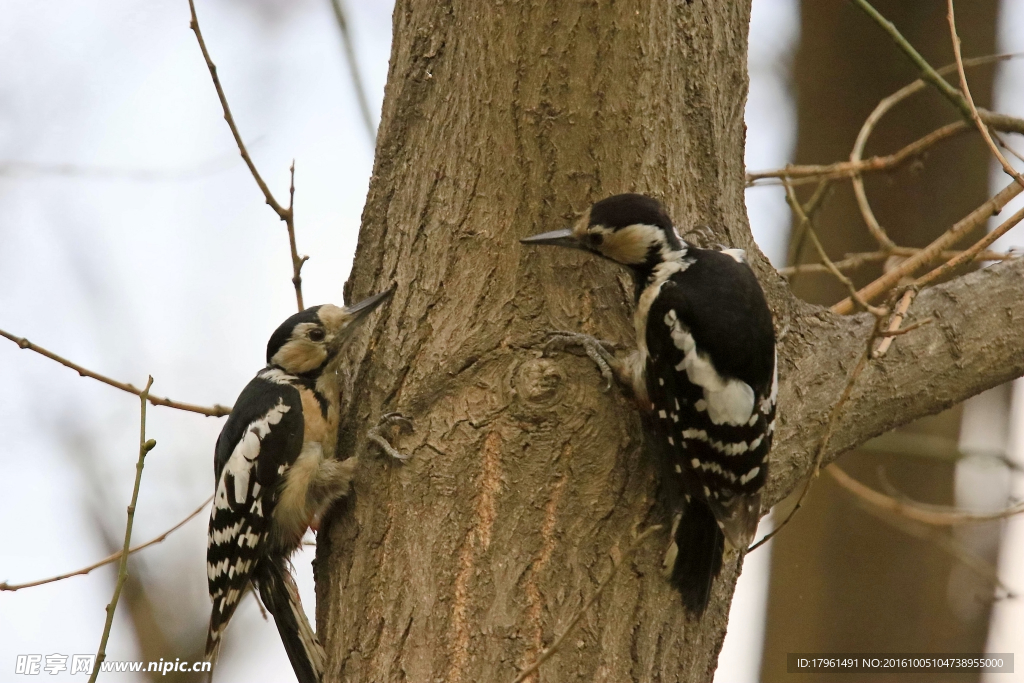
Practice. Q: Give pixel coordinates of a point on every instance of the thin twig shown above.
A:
(962, 228)
(928, 73)
(897, 319)
(17, 169)
(544, 656)
(974, 253)
(833, 420)
(297, 261)
(847, 169)
(867, 129)
(4, 586)
(800, 174)
(858, 259)
(145, 446)
(909, 328)
(215, 411)
(285, 214)
(933, 515)
(807, 225)
(799, 238)
(973, 110)
(353, 71)
(943, 541)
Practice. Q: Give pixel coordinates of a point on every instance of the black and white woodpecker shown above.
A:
(277, 473)
(704, 365)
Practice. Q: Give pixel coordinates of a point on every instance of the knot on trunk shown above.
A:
(539, 381)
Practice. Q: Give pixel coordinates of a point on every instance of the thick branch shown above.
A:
(974, 344)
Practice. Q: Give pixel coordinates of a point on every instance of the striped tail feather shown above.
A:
(694, 556)
(280, 596)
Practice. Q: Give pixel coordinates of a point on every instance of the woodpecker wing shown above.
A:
(260, 440)
(711, 379)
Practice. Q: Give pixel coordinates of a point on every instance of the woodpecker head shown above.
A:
(310, 339)
(631, 229)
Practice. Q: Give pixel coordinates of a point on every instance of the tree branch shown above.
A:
(145, 446)
(4, 586)
(972, 109)
(961, 229)
(928, 73)
(353, 71)
(216, 411)
(286, 214)
(973, 345)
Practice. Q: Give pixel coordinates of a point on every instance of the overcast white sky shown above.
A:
(184, 276)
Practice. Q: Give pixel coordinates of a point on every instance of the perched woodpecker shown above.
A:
(705, 366)
(277, 473)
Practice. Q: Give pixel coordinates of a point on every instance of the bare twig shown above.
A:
(807, 225)
(940, 537)
(297, 261)
(897, 319)
(286, 214)
(799, 238)
(858, 259)
(888, 334)
(972, 109)
(353, 71)
(848, 169)
(833, 420)
(934, 515)
(544, 656)
(145, 446)
(928, 73)
(963, 227)
(215, 411)
(974, 253)
(4, 586)
(16, 169)
(867, 129)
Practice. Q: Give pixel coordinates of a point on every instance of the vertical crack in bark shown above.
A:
(477, 541)
(535, 606)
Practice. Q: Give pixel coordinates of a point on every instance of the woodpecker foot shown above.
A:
(386, 420)
(599, 351)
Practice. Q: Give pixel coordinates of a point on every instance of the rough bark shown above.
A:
(526, 479)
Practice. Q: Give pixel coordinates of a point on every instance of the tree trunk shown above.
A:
(526, 479)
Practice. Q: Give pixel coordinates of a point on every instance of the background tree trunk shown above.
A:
(843, 580)
(500, 121)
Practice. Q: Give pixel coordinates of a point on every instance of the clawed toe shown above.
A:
(598, 350)
(386, 420)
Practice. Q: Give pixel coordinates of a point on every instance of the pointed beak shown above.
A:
(558, 238)
(366, 306)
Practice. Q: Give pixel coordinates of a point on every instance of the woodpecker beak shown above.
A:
(366, 306)
(558, 238)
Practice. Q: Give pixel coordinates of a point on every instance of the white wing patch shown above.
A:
(738, 255)
(243, 457)
(768, 403)
(727, 401)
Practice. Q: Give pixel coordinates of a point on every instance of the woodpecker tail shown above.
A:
(280, 596)
(694, 556)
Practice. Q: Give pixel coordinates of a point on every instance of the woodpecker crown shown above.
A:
(308, 340)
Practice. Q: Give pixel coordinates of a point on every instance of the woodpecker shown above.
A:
(705, 368)
(276, 473)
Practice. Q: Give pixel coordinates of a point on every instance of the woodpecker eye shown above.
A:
(317, 335)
